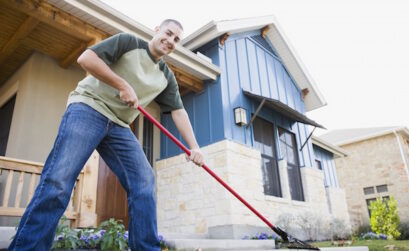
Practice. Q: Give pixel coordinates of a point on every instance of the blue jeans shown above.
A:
(82, 130)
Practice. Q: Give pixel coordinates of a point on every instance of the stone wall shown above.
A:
(192, 204)
(371, 163)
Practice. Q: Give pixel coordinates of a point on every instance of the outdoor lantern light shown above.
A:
(240, 116)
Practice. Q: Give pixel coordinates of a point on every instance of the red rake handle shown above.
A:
(187, 151)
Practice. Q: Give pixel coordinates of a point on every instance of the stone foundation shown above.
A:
(192, 204)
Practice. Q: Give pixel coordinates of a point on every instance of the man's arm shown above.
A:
(183, 125)
(90, 62)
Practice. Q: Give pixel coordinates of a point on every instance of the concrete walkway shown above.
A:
(200, 244)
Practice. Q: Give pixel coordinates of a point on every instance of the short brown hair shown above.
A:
(166, 21)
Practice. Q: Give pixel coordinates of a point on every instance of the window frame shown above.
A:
(297, 195)
(275, 180)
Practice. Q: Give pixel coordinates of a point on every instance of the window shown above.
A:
(264, 142)
(145, 136)
(289, 151)
(382, 189)
(369, 190)
(6, 114)
(318, 164)
(148, 139)
(368, 204)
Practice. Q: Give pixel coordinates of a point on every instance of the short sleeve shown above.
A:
(112, 48)
(169, 99)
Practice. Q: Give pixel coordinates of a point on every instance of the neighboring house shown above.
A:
(376, 167)
(270, 160)
(267, 155)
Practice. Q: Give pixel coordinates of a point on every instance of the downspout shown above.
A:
(402, 153)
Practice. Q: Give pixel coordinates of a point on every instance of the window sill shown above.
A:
(277, 199)
(286, 201)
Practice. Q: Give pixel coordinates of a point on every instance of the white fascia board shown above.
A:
(215, 29)
(337, 151)
(295, 66)
(276, 36)
(181, 57)
(403, 130)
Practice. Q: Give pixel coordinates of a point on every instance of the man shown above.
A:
(124, 72)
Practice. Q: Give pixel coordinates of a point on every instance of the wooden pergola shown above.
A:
(35, 25)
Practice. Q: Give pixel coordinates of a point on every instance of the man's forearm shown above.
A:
(183, 125)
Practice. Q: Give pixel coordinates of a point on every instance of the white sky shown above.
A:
(357, 51)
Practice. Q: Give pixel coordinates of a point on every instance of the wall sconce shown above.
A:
(240, 116)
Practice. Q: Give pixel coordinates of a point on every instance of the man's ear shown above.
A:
(156, 29)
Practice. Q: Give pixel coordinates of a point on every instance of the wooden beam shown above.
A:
(264, 31)
(15, 40)
(223, 38)
(70, 58)
(187, 80)
(56, 18)
(304, 92)
(183, 90)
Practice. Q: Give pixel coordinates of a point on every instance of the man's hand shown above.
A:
(196, 156)
(128, 96)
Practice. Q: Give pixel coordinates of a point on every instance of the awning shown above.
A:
(283, 109)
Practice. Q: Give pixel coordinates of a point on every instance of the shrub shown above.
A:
(404, 231)
(311, 224)
(363, 229)
(384, 217)
(339, 230)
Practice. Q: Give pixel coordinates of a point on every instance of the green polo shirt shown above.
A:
(130, 58)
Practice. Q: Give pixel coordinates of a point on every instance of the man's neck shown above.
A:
(153, 53)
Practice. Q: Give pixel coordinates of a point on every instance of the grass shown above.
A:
(374, 245)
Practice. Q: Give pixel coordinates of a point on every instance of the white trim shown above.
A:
(6, 95)
(402, 129)
(276, 36)
(337, 151)
(113, 21)
(402, 153)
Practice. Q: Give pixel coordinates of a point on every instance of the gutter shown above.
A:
(402, 153)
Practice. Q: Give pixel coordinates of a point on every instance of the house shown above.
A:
(246, 92)
(270, 160)
(376, 167)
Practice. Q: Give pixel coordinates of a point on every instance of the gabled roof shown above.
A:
(112, 21)
(348, 136)
(337, 151)
(276, 36)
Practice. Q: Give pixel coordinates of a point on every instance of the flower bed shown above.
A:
(110, 235)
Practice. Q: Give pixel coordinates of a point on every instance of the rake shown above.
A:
(288, 241)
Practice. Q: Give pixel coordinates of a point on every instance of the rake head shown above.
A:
(291, 242)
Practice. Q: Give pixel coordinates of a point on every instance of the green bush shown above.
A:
(404, 231)
(384, 218)
(363, 230)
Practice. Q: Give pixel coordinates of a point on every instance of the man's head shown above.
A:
(167, 35)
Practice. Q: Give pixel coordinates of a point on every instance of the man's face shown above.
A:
(165, 39)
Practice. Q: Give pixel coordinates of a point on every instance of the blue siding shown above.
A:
(328, 166)
(247, 64)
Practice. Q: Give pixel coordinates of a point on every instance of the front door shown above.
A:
(111, 196)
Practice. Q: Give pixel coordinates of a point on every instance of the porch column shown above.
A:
(88, 215)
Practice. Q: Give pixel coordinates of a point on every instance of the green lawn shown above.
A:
(374, 245)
